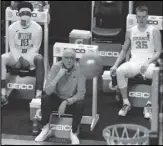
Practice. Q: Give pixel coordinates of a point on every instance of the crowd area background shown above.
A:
(78, 16)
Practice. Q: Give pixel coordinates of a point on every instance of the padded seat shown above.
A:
(109, 21)
(21, 72)
(104, 32)
(140, 80)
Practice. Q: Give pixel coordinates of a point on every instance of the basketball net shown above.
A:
(126, 134)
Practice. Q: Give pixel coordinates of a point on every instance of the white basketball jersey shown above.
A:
(142, 44)
(24, 39)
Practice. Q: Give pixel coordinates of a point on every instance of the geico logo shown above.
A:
(139, 94)
(33, 14)
(20, 86)
(79, 41)
(38, 113)
(154, 22)
(60, 127)
(108, 53)
(79, 51)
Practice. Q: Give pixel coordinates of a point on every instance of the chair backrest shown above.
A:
(110, 12)
(80, 49)
(108, 8)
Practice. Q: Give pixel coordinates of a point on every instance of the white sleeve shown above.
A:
(37, 39)
(15, 52)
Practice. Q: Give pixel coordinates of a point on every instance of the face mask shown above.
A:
(25, 19)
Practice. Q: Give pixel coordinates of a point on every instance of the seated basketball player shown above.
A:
(25, 37)
(65, 91)
(145, 43)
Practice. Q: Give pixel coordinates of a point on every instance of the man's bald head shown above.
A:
(69, 52)
(69, 58)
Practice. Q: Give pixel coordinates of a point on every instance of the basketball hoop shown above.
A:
(126, 134)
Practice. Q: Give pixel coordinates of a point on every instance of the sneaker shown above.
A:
(124, 110)
(74, 138)
(4, 100)
(147, 111)
(44, 134)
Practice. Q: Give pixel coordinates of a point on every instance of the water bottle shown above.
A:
(35, 126)
(114, 80)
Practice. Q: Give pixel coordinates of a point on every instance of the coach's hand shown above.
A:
(17, 65)
(62, 107)
(24, 63)
(144, 67)
(62, 72)
(113, 70)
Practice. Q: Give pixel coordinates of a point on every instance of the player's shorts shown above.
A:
(10, 61)
(131, 69)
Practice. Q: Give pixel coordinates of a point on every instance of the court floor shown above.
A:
(8, 139)
(17, 128)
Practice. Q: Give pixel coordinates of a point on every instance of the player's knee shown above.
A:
(4, 58)
(149, 75)
(38, 59)
(120, 71)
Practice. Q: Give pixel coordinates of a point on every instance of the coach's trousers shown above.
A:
(52, 102)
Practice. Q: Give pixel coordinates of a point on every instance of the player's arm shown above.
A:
(37, 39)
(15, 52)
(124, 50)
(157, 44)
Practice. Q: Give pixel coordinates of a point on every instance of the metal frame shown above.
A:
(93, 119)
(92, 16)
(131, 4)
(39, 17)
(155, 100)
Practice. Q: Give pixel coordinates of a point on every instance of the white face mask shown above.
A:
(25, 20)
(25, 16)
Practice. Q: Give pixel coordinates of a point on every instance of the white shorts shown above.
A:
(10, 61)
(131, 69)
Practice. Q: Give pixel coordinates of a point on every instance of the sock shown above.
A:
(38, 93)
(126, 101)
(149, 102)
(3, 91)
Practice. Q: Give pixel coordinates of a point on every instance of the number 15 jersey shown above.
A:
(25, 42)
(142, 44)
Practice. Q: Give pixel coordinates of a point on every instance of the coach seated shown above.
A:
(25, 37)
(65, 92)
(145, 43)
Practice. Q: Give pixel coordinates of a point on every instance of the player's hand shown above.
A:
(17, 65)
(62, 107)
(144, 67)
(24, 63)
(113, 70)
